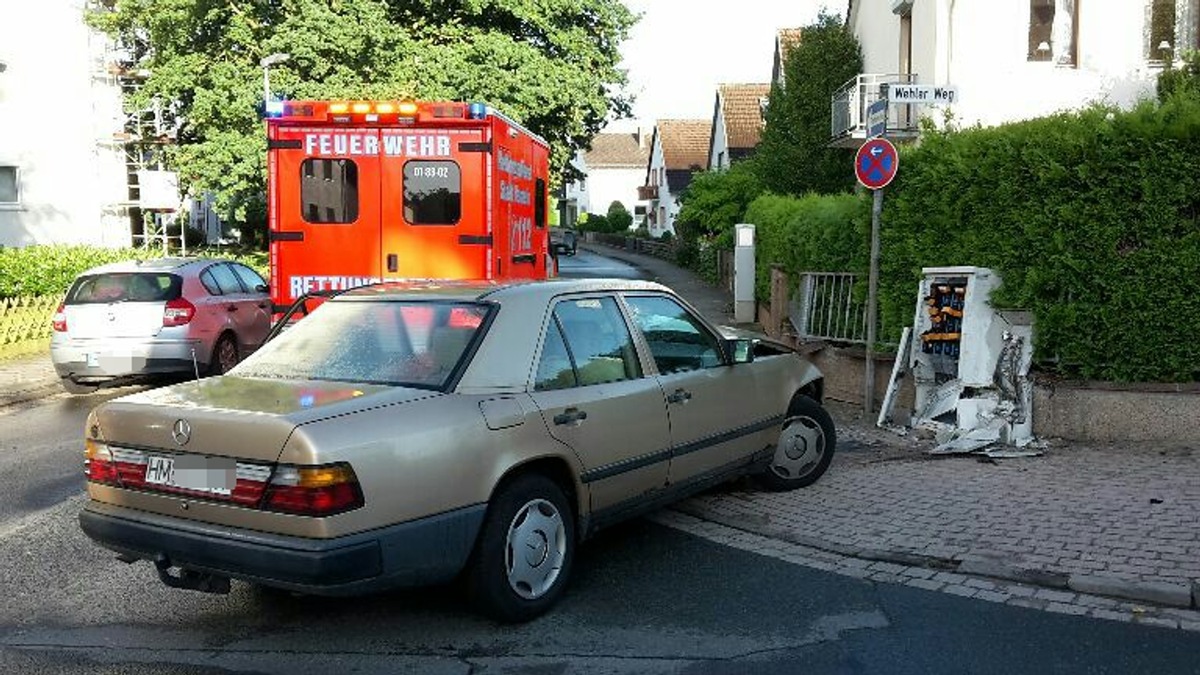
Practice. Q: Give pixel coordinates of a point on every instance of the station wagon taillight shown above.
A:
(313, 490)
(178, 312)
(60, 318)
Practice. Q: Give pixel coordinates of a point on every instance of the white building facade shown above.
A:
(62, 171)
(614, 169)
(678, 149)
(1017, 59)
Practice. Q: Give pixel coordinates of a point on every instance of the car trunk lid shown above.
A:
(115, 320)
(119, 304)
(220, 438)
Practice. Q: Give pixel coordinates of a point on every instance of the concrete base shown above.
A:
(1086, 411)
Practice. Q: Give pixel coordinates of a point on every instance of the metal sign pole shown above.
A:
(872, 305)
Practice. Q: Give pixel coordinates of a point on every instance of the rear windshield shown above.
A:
(414, 344)
(125, 287)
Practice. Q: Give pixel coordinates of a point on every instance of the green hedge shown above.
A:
(1090, 218)
(814, 233)
(49, 270)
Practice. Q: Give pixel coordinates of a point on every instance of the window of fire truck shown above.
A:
(432, 192)
(329, 190)
(539, 203)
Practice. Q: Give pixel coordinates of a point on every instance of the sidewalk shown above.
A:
(1109, 531)
(27, 378)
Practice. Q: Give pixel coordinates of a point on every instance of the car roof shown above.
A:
(151, 265)
(476, 291)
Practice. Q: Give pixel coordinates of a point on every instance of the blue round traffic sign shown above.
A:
(876, 163)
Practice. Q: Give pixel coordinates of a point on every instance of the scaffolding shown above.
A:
(138, 135)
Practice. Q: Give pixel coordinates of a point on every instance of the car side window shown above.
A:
(597, 341)
(249, 278)
(225, 279)
(677, 340)
(209, 282)
(555, 370)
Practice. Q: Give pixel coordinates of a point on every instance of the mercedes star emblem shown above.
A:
(181, 432)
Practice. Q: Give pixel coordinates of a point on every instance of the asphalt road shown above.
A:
(585, 264)
(645, 599)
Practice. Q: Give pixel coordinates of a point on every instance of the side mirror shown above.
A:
(741, 350)
(262, 288)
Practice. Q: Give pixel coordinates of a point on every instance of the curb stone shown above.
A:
(1158, 592)
(1163, 594)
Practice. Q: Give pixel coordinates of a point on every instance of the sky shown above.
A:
(682, 49)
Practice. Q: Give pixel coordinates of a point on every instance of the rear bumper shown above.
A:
(426, 551)
(107, 359)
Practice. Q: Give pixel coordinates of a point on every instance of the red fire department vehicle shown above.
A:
(361, 192)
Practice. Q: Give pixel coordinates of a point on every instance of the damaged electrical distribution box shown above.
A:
(970, 362)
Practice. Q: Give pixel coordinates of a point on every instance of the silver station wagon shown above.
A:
(415, 434)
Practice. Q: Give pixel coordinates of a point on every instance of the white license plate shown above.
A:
(215, 475)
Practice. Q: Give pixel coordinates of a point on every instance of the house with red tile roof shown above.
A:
(737, 123)
(614, 169)
(785, 40)
(678, 149)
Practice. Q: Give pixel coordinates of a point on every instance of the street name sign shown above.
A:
(921, 93)
(876, 163)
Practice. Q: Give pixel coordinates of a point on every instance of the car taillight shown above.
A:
(313, 490)
(60, 318)
(178, 312)
(98, 463)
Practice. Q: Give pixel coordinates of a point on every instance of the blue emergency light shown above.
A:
(274, 108)
(477, 111)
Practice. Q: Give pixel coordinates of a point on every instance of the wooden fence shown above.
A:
(26, 319)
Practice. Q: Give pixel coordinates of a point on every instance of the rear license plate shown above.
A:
(215, 475)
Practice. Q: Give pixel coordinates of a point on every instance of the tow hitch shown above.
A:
(190, 579)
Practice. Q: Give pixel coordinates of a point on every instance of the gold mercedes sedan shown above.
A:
(412, 434)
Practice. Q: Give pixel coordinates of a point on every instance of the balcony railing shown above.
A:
(647, 192)
(848, 123)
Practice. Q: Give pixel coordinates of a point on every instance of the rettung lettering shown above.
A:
(299, 285)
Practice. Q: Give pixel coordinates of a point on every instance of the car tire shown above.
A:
(525, 551)
(73, 387)
(225, 355)
(804, 448)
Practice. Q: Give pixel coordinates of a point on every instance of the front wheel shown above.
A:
(804, 449)
(525, 551)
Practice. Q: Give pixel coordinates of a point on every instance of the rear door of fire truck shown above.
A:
(324, 208)
(435, 212)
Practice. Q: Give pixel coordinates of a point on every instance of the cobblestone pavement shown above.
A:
(1055, 532)
(1108, 531)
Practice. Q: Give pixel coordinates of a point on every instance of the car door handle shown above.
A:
(262, 305)
(679, 396)
(232, 308)
(570, 416)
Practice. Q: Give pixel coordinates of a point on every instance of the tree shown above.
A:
(794, 157)
(715, 201)
(619, 218)
(551, 64)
